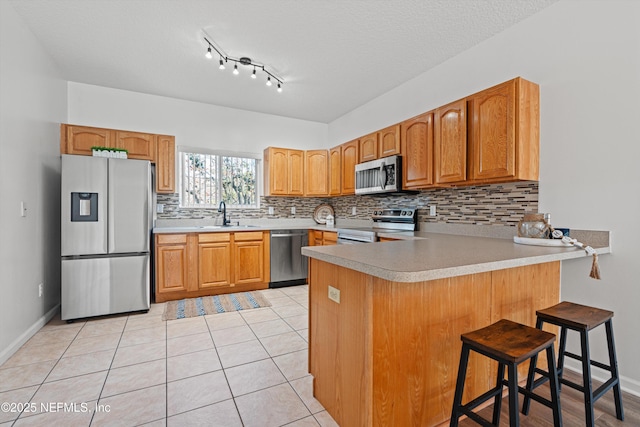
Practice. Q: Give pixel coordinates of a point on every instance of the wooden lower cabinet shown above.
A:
(199, 264)
(214, 261)
(388, 353)
(322, 238)
(171, 264)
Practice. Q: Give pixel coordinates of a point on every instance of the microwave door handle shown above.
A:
(383, 176)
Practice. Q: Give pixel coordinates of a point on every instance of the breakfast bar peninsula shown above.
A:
(385, 319)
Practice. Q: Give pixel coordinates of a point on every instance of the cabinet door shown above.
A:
(171, 264)
(214, 260)
(80, 139)
(296, 172)
(350, 156)
(165, 164)
(276, 169)
(417, 151)
(389, 141)
(492, 133)
(451, 143)
(369, 147)
(249, 262)
(329, 238)
(335, 170)
(139, 145)
(317, 178)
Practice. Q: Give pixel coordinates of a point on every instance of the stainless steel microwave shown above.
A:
(379, 176)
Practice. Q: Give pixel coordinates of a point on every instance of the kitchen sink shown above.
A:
(215, 227)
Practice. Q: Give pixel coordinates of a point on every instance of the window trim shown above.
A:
(221, 153)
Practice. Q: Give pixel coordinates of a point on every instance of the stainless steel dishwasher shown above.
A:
(288, 265)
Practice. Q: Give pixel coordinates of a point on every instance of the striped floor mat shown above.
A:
(193, 307)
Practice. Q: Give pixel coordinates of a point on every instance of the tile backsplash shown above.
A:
(492, 204)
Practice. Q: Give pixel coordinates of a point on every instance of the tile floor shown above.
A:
(233, 369)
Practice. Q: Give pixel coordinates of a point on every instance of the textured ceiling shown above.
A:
(334, 55)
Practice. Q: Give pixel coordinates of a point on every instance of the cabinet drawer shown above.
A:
(247, 235)
(213, 237)
(169, 239)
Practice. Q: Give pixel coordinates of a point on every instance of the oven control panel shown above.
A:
(394, 215)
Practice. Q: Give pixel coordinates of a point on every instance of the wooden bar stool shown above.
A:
(509, 343)
(579, 318)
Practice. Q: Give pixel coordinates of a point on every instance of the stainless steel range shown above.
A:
(384, 221)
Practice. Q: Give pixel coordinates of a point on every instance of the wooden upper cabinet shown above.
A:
(138, 145)
(335, 170)
(284, 172)
(80, 139)
(165, 164)
(389, 141)
(450, 143)
(317, 176)
(368, 147)
(504, 132)
(296, 172)
(417, 151)
(350, 156)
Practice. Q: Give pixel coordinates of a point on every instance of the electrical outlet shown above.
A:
(160, 208)
(353, 210)
(432, 210)
(293, 210)
(270, 210)
(40, 290)
(23, 209)
(334, 294)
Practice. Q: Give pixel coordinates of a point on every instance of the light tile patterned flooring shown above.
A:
(232, 369)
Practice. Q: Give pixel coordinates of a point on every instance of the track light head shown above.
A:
(235, 70)
(221, 67)
(269, 81)
(279, 88)
(253, 75)
(208, 54)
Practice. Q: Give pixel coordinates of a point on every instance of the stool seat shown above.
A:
(575, 316)
(509, 340)
(582, 319)
(509, 343)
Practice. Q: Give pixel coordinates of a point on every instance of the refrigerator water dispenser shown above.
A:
(84, 207)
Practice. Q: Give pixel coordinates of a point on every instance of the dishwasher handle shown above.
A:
(288, 235)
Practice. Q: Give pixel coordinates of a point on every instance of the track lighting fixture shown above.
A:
(242, 61)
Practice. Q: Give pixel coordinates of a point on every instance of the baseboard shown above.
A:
(19, 342)
(628, 385)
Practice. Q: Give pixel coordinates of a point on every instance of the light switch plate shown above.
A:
(353, 210)
(334, 294)
(270, 210)
(160, 208)
(293, 210)
(432, 210)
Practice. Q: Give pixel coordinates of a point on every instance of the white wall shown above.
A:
(32, 105)
(193, 124)
(585, 55)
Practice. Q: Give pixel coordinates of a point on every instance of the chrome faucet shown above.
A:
(223, 208)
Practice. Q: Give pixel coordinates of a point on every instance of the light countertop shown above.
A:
(428, 256)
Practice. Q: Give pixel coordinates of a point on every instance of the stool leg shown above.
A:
(526, 403)
(613, 363)
(497, 404)
(514, 413)
(462, 373)
(553, 385)
(586, 378)
(561, 350)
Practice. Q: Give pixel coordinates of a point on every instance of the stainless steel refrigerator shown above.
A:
(106, 226)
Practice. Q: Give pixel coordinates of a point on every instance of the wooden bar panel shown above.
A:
(388, 353)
